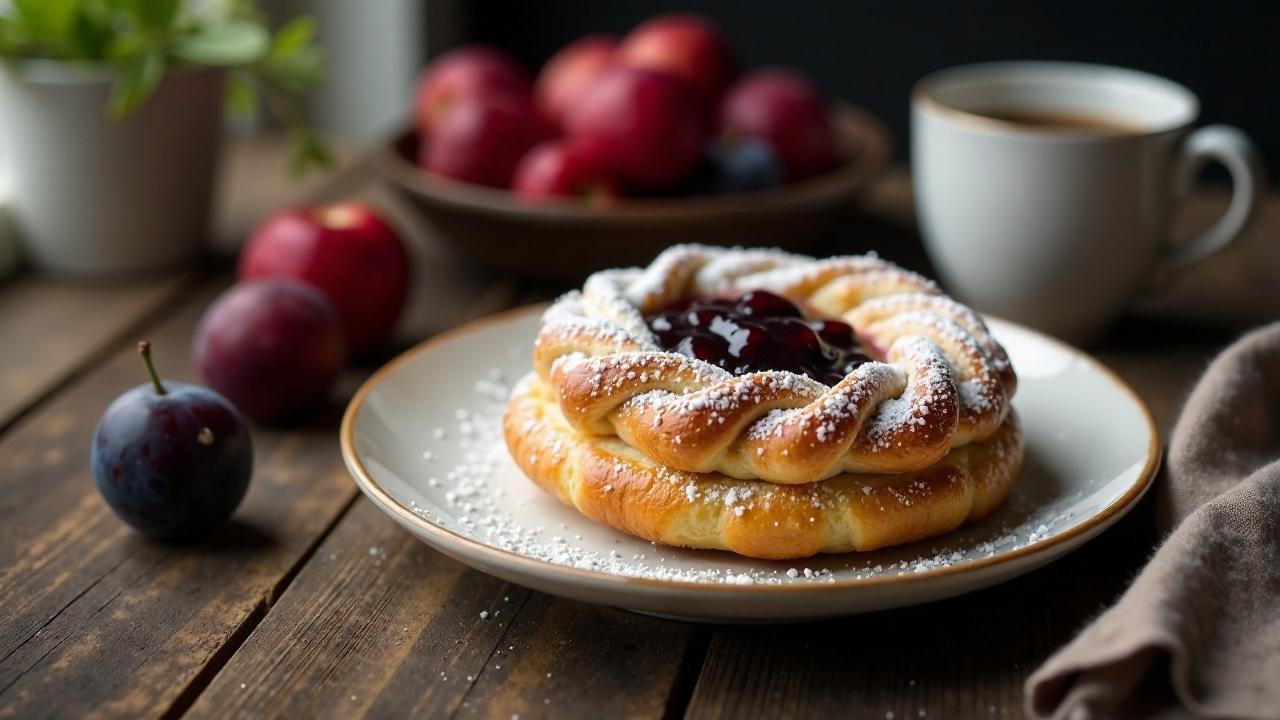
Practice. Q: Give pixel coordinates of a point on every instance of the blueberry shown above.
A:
(739, 165)
(171, 459)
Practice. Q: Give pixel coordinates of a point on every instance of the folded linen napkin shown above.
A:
(1198, 632)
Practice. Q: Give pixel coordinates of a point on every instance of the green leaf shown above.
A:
(241, 97)
(44, 26)
(294, 36)
(91, 33)
(139, 76)
(46, 20)
(126, 44)
(299, 70)
(142, 39)
(237, 42)
(306, 151)
(156, 14)
(10, 36)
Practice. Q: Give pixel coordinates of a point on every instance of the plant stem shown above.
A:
(144, 349)
(279, 101)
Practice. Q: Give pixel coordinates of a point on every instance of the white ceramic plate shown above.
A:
(423, 440)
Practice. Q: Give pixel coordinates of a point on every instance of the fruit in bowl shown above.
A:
(646, 142)
(783, 109)
(638, 111)
(481, 140)
(572, 70)
(556, 169)
(642, 125)
(563, 234)
(468, 72)
(739, 165)
(688, 46)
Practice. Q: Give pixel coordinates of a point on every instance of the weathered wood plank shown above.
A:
(964, 657)
(103, 620)
(53, 328)
(565, 659)
(377, 623)
(94, 616)
(100, 618)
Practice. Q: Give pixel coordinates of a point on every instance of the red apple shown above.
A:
(467, 72)
(273, 347)
(482, 141)
(690, 47)
(570, 72)
(349, 253)
(555, 170)
(782, 108)
(643, 126)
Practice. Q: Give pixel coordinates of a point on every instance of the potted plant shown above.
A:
(111, 119)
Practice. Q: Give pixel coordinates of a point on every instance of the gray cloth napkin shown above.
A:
(1198, 632)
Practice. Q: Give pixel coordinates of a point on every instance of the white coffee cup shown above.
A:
(1045, 190)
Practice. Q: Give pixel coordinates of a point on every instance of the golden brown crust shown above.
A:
(944, 381)
(613, 483)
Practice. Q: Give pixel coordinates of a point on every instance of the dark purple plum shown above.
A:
(274, 347)
(739, 165)
(171, 459)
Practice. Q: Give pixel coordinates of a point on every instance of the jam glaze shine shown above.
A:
(759, 331)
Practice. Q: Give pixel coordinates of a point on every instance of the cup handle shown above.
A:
(1234, 149)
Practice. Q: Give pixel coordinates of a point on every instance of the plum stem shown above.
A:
(144, 349)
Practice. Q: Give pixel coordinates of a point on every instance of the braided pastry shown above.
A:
(617, 485)
(933, 404)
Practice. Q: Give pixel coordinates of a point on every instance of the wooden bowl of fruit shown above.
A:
(622, 148)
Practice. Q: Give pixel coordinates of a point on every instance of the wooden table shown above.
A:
(312, 603)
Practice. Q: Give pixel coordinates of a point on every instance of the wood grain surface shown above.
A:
(378, 623)
(131, 624)
(52, 329)
(312, 603)
(960, 658)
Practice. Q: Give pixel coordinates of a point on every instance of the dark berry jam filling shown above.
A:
(759, 331)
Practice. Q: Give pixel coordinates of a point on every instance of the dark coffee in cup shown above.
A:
(1058, 121)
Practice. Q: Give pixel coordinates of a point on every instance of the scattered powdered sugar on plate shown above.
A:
(476, 491)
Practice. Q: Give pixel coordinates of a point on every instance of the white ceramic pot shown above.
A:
(89, 195)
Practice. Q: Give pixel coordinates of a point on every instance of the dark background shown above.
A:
(871, 52)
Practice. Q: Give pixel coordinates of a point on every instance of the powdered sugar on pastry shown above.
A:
(942, 381)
